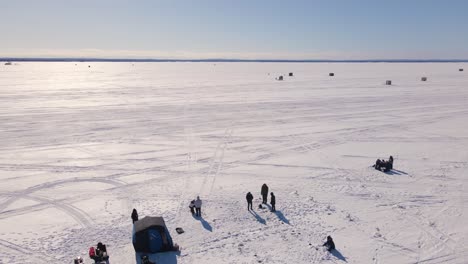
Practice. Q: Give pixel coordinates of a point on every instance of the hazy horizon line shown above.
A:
(91, 59)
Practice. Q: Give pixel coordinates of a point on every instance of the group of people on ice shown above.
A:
(98, 254)
(264, 192)
(383, 165)
(195, 206)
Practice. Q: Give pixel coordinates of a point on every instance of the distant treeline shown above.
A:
(223, 60)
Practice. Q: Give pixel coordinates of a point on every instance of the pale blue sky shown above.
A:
(272, 29)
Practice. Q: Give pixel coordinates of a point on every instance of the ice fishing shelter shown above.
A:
(150, 235)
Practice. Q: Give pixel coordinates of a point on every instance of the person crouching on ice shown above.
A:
(330, 245)
(192, 207)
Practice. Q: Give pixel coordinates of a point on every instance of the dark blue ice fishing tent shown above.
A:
(150, 235)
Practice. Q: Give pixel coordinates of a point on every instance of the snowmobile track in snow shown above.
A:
(43, 258)
(80, 216)
(216, 163)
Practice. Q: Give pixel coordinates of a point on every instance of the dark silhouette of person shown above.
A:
(101, 253)
(198, 204)
(377, 164)
(264, 193)
(249, 198)
(192, 207)
(273, 202)
(330, 245)
(101, 247)
(134, 215)
(390, 163)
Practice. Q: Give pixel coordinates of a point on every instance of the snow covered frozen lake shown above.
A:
(82, 146)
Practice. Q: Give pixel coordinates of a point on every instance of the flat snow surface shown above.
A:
(82, 146)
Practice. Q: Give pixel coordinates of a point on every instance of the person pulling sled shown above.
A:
(192, 207)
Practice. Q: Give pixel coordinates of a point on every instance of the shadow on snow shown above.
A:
(338, 255)
(259, 218)
(282, 217)
(395, 172)
(204, 223)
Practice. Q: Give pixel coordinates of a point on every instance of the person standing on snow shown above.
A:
(264, 193)
(249, 198)
(134, 215)
(273, 202)
(390, 163)
(198, 204)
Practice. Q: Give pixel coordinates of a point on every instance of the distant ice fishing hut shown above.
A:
(331, 74)
(423, 79)
(388, 82)
(280, 78)
(291, 74)
(461, 69)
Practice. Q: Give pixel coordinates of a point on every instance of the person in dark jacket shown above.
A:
(101, 254)
(273, 202)
(192, 207)
(390, 163)
(101, 247)
(330, 245)
(134, 215)
(264, 193)
(385, 166)
(249, 198)
(377, 164)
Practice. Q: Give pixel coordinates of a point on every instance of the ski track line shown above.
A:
(24, 251)
(216, 163)
(212, 161)
(188, 134)
(220, 161)
(80, 217)
(37, 207)
(43, 186)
